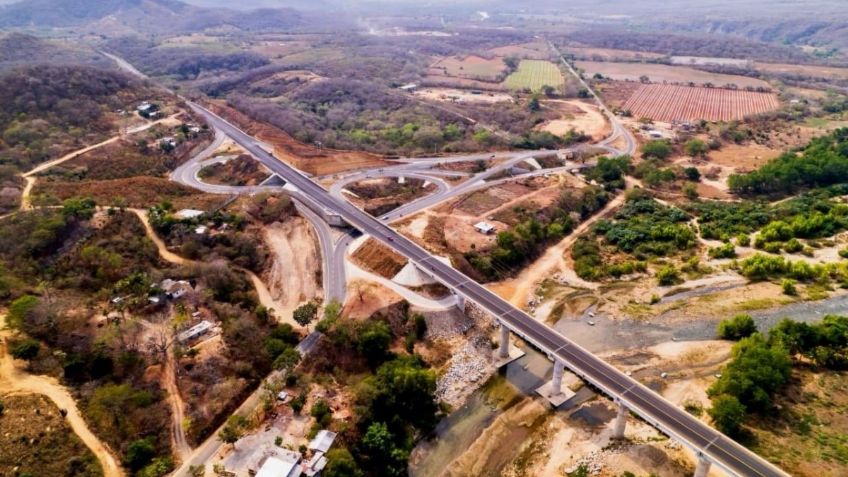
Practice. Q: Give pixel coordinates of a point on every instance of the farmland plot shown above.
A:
(668, 103)
(534, 75)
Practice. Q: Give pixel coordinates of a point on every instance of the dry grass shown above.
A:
(473, 67)
(141, 192)
(36, 440)
(377, 258)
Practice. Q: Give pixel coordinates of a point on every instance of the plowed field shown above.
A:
(667, 102)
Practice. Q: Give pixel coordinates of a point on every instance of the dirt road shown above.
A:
(518, 289)
(15, 380)
(178, 436)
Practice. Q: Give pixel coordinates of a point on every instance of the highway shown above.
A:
(650, 406)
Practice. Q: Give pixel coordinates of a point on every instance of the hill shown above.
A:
(17, 49)
(120, 17)
(49, 110)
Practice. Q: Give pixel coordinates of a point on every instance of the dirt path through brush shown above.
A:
(15, 380)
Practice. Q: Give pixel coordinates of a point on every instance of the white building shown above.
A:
(195, 331)
(175, 288)
(282, 463)
(188, 214)
(322, 441)
(484, 228)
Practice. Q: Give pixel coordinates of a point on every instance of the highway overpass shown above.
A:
(710, 446)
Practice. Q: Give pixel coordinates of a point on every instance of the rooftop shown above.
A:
(323, 441)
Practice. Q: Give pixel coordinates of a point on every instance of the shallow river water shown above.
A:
(461, 428)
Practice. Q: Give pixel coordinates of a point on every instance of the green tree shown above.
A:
(736, 328)
(757, 369)
(27, 349)
(233, 430)
(692, 173)
(305, 314)
(695, 147)
(727, 414)
(374, 340)
(139, 453)
(534, 105)
(21, 309)
(658, 149)
(340, 463)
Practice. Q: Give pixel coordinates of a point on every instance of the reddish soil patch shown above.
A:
(533, 51)
(309, 159)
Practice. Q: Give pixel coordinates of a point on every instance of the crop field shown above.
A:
(669, 102)
(535, 74)
(657, 73)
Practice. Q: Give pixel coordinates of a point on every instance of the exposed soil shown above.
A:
(294, 276)
(578, 116)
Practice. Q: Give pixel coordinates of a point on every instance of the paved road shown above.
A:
(618, 129)
(646, 403)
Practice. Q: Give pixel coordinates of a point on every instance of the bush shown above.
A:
(757, 369)
(724, 251)
(140, 453)
(743, 240)
(695, 147)
(27, 349)
(736, 328)
(788, 286)
(668, 275)
(658, 149)
(340, 463)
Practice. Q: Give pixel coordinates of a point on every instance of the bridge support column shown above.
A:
(620, 421)
(556, 380)
(503, 350)
(460, 302)
(703, 467)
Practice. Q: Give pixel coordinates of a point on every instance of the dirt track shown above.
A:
(15, 380)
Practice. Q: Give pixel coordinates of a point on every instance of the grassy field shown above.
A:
(535, 74)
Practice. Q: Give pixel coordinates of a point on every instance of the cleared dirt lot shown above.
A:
(578, 116)
(471, 66)
(453, 95)
(743, 157)
(665, 73)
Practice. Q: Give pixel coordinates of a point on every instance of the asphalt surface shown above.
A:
(644, 402)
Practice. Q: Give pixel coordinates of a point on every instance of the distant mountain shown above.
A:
(121, 17)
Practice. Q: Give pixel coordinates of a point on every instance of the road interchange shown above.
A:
(650, 406)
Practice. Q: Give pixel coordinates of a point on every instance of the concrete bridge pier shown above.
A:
(556, 380)
(506, 353)
(460, 302)
(552, 390)
(503, 350)
(703, 467)
(620, 421)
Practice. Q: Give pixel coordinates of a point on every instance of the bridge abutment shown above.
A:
(703, 467)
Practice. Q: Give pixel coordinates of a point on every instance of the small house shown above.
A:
(188, 214)
(322, 441)
(409, 88)
(175, 288)
(485, 228)
(282, 464)
(195, 331)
